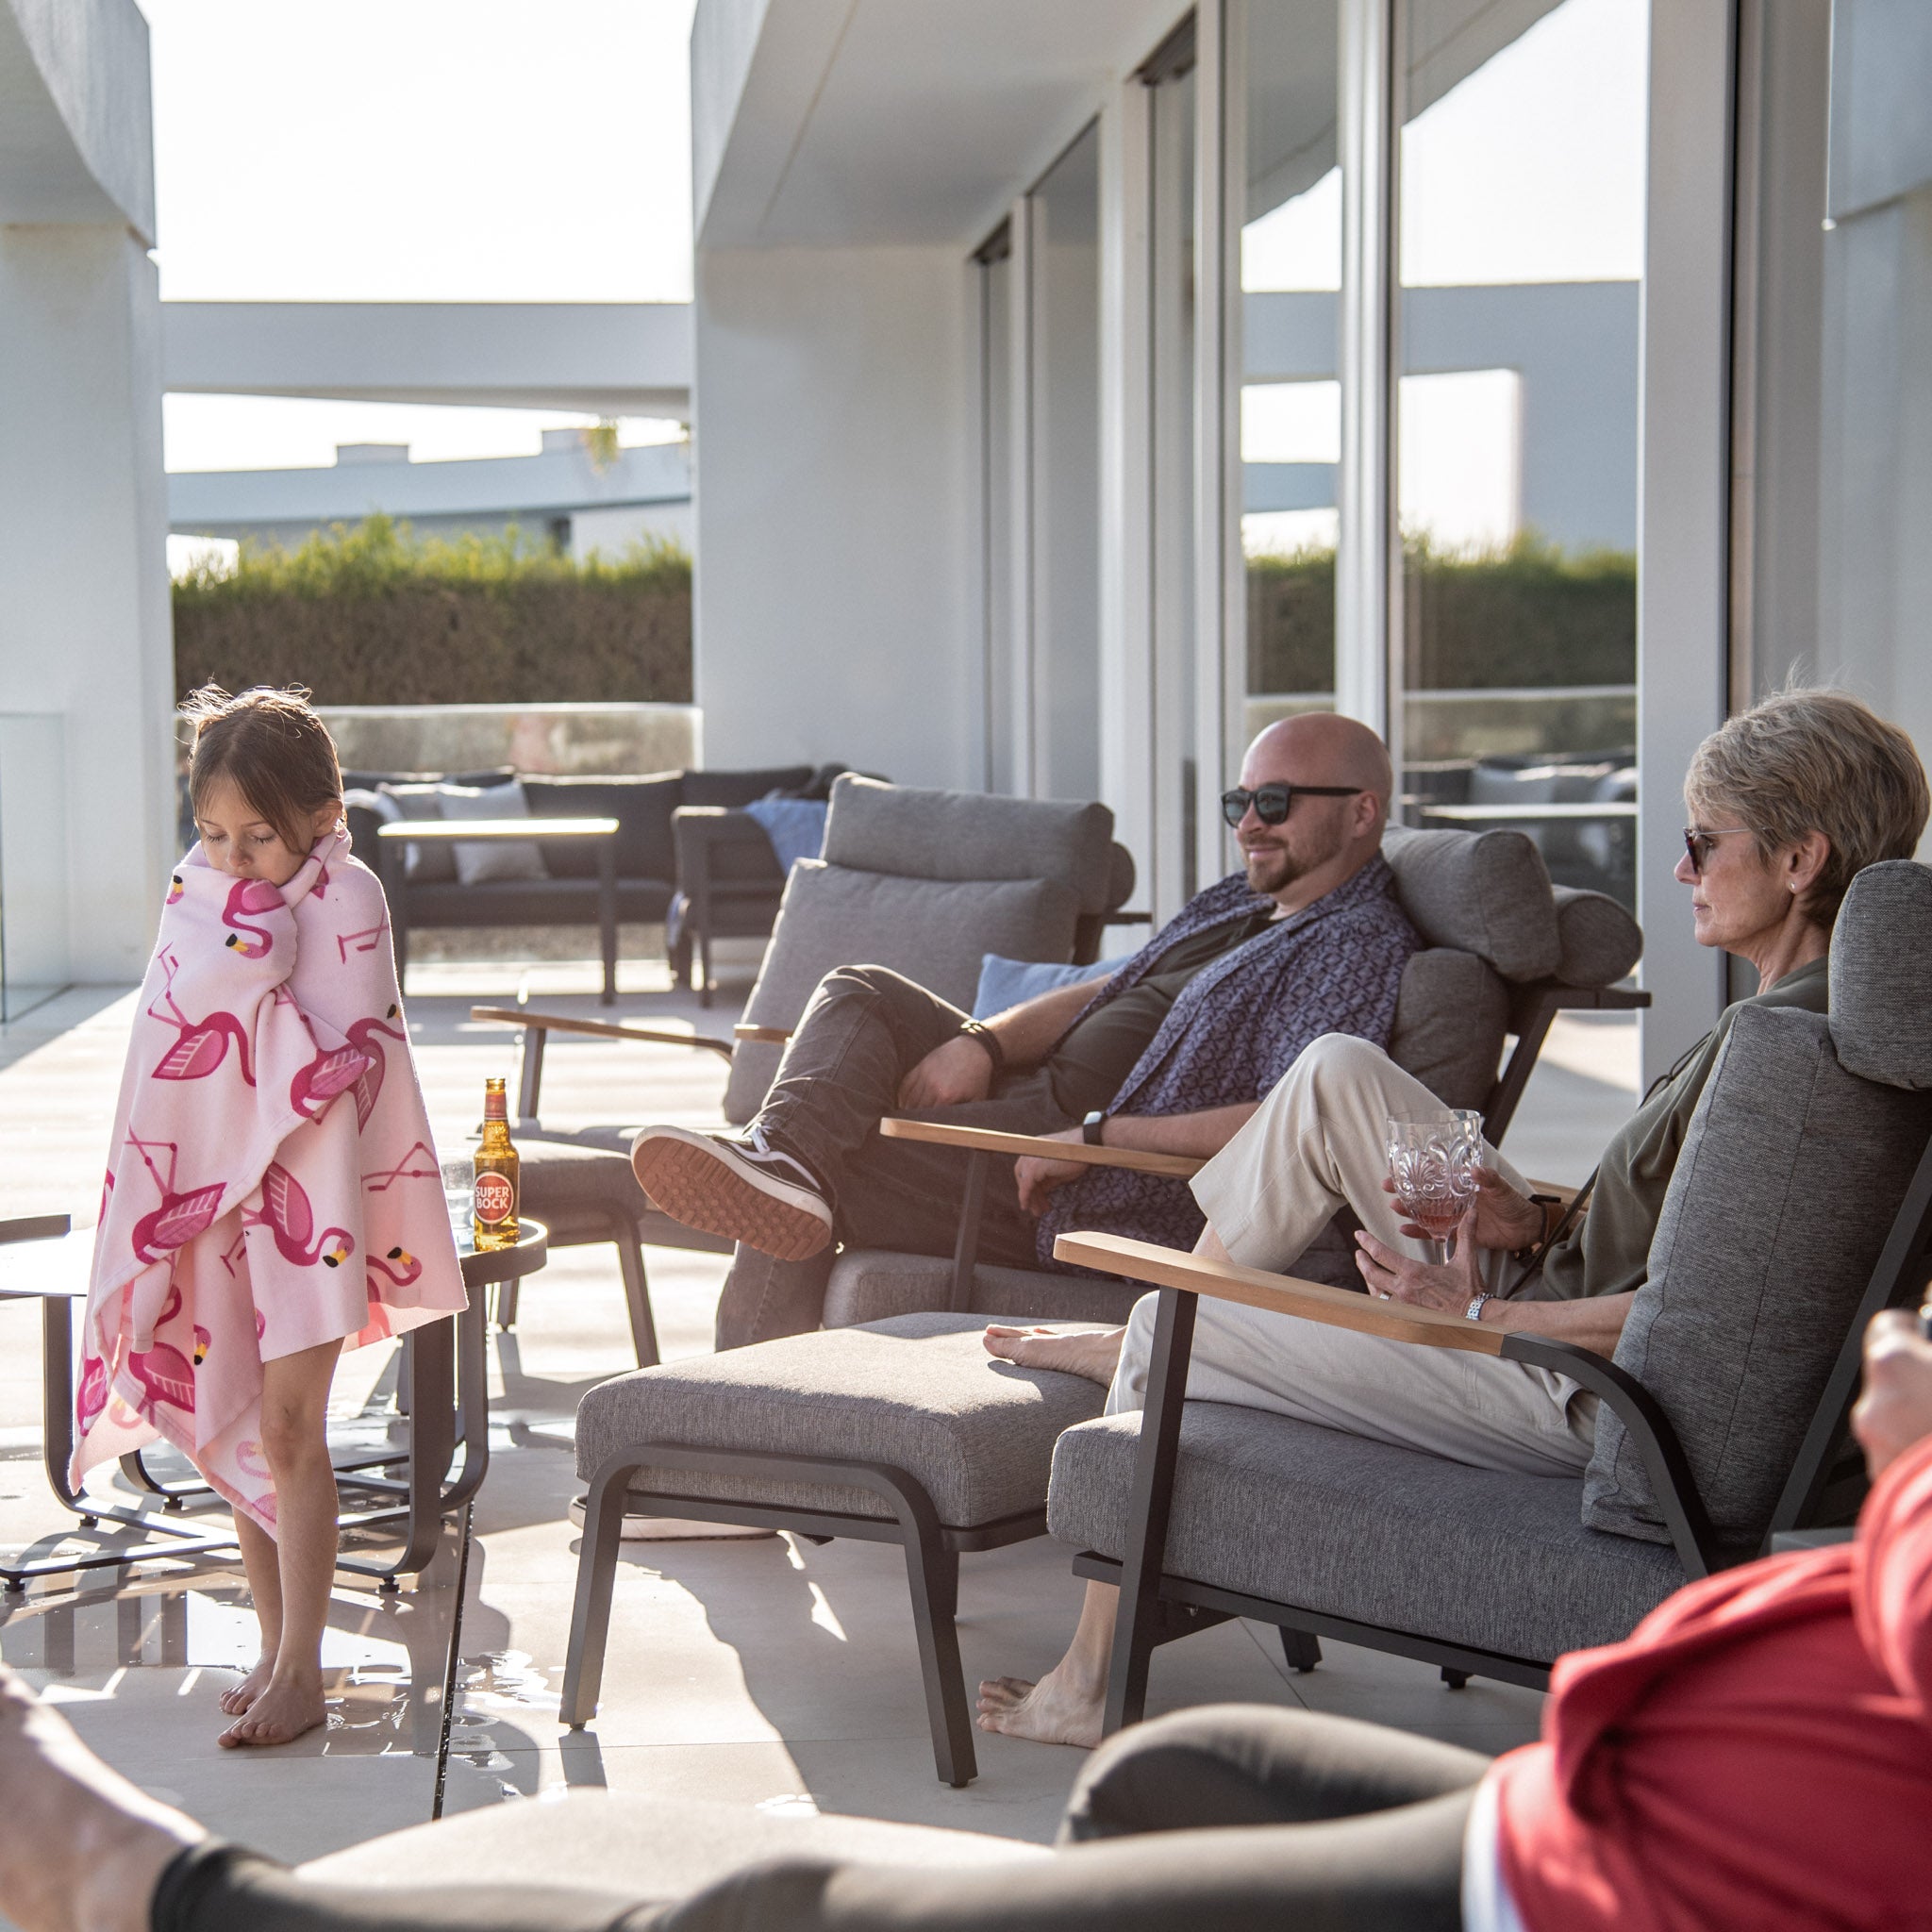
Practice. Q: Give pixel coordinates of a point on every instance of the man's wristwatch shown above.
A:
(1094, 1129)
(1474, 1310)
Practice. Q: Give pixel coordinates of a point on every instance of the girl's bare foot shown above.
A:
(1095, 1353)
(82, 1849)
(1052, 1711)
(240, 1697)
(287, 1705)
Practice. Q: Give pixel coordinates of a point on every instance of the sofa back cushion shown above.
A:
(1780, 1203)
(934, 931)
(642, 807)
(735, 788)
(1881, 1018)
(1482, 893)
(972, 835)
(1450, 1014)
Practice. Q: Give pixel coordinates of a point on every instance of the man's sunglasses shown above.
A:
(1698, 844)
(1272, 801)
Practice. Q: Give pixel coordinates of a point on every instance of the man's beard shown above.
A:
(1272, 869)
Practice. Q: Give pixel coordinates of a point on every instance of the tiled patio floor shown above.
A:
(773, 1671)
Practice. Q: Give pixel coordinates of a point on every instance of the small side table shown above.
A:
(447, 831)
(445, 1375)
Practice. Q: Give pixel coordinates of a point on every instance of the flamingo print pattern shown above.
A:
(249, 1209)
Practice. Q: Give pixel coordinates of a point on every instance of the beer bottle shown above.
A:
(496, 1173)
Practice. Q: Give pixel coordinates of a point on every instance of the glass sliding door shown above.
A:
(1520, 256)
(1291, 406)
(1062, 263)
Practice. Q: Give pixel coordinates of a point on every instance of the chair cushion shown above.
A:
(1781, 1200)
(934, 931)
(1450, 1014)
(1881, 1021)
(491, 860)
(1599, 942)
(870, 1285)
(642, 807)
(920, 1394)
(1298, 1514)
(1482, 893)
(972, 835)
(637, 1849)
(569, 1174)
(433, 861)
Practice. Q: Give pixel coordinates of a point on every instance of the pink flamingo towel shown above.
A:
(272, 1183)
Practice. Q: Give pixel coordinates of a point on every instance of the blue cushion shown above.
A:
(795, 827)
(1005, 983)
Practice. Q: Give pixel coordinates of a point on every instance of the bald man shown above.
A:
(1172, 1054)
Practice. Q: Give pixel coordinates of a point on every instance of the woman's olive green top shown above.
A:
(1606, 1251)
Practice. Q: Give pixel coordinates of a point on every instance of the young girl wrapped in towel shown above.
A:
(273, 1193)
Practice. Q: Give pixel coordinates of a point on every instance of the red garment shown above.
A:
(1756, 1755)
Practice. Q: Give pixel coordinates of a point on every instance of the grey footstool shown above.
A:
(903, 1431)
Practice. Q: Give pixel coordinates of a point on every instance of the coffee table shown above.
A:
(444, 1390)
(447, 831)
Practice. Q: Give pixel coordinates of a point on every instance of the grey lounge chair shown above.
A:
(1800, 1204)
(926, 882)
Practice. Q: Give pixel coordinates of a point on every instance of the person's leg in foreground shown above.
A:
(290, 1573)
(1380, 1820)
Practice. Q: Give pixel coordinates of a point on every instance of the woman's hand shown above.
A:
(1895, 1408)
(1450, 1286)
(955, 1070)
(1038, 1174)
(1503, 1218)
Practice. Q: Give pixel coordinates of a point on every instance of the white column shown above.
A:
(1366, 561)
(1683, 518)
(85, 627)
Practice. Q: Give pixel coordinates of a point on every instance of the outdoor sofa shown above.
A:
(424, 888)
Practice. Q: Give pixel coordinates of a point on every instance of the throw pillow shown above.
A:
(1005, 983)
(491, 858)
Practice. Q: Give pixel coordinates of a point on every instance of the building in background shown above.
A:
(1570, 421)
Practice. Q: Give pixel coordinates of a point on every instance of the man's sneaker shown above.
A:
(736, 1185)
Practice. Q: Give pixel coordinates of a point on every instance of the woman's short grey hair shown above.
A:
(1814, 762)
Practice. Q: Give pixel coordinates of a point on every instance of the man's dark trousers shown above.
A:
(865, 1029)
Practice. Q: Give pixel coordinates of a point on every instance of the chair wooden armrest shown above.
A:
(774, 1036)
(1255, 1288)
(538, 1027)
(988, 1140)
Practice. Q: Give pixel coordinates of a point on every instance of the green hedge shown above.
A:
(1532, 615)
(377, 615)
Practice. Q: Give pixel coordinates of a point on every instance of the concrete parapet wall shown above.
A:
(575, 741)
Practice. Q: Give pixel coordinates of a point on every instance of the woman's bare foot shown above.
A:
(82, 1849)
(1050, 1712)
(1095, 1353)
(287, 1705)
(240, 1697)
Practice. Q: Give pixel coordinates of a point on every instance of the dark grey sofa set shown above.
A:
(733, 859)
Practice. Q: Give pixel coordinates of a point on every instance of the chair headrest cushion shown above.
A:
(1600, 941)
(909, 833)
(1481, 892)
(1881, 990)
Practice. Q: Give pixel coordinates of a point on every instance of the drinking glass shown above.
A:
(460, 1195)
(1432, 1159)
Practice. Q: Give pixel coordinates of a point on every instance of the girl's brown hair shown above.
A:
(275, 751)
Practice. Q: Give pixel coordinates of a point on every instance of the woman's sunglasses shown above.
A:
(1272, 801)
(1698, 845)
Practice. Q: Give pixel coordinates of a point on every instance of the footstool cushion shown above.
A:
(918, 1393)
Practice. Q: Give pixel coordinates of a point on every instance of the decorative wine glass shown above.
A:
(1432, 1159)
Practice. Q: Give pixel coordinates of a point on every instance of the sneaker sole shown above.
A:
(703, 1185)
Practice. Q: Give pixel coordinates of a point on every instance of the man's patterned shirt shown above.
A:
(1236, 1027)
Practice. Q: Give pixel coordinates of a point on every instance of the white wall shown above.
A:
(84, 625)
(833, 611)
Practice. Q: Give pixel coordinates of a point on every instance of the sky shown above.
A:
(413, 151)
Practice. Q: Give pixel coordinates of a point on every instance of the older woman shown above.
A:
(1786, 802)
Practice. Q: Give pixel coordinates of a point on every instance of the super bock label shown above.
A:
(496, 1200)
